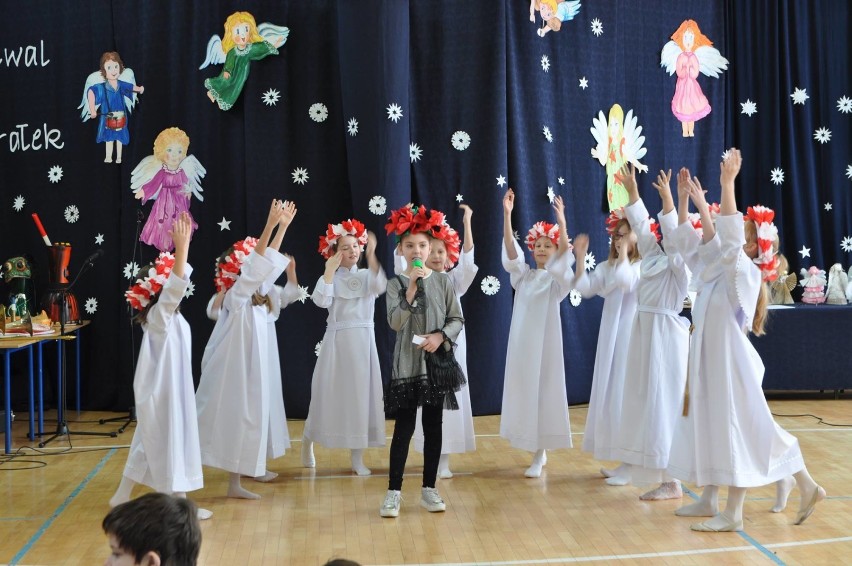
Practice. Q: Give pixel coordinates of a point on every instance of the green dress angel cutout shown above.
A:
(618, 140)
(244, 42)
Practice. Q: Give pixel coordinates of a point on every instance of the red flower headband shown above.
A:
(618, 214)
(228, 269)
(767, 233)
(146, 288)
(334, 232)
(695, 218)
(413, 220)
(547, 230)
(451, 240)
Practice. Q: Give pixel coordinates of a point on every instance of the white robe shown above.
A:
(657, 354)
(346, 409)
(164, 453)
(729, 436)
(616, 283)
(234, 395)
(535, 399)
(457, 434)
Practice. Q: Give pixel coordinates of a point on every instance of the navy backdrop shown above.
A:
(477, 67)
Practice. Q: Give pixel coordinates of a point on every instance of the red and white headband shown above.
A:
(228, 269)
(334, 232)
(767, 233)
(547, 230)
(143, 291)
(615, 216)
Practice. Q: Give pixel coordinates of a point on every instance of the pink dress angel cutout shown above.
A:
(689, 53)
(171, 178)
(813, 280)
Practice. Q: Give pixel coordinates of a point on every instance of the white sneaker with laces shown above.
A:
(431, 501)
(390, 507)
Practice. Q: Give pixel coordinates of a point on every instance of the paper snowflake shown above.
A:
(18, 203)
(822, 135)
(91, 305)
(589, 261)
(545, 63)
(726, 155)
(130, 270)
(459, 197)
(377, 205)
(547, 135)
(844, 104)
(414, 152)
(99, 239)
(550, 194)
(561, 180)
(805, 252)
(584, 83)
(352, 126)
(748, 108)
(777, 175)
(516, 235)
(72, 214)
(799, 96)
(575, 297)
(224, 224)
(846, 244)
(271, 97)
(303, 294)
(827, 206)
(300, 175)
(597, 27)
(190, 290)
(317, 348)
(318, 112)
(54, 174)
(461, 140)
(849, 171)
(490, 285)
(394, 112)
(501, 180)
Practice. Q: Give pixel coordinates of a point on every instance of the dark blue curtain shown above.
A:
(475, 67)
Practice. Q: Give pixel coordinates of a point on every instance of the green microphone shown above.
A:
(417, 262)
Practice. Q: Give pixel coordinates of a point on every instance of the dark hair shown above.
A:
(156, 522)
(111, 56)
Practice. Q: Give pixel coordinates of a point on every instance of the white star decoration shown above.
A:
(561, 181)
(72, 214)
(224, 225)
(748, 108)
(414, 152)
(846, 244)
(303, 294)
(777, 175)
(575, 297)
(799, 96)
(490, 285)
(18, 203)
(849, 171)
(584, 83)
(726, 155)
(501, 180)
(318, 112)
(550, 194)
(545, 63)
(190, 290)
(91, 305)
(130, 270)
(516, 235)
(547, 135)
(99, 239)
(844, 104)
(300, 175)
(54, 174)
(597, 27)
(822, 135)
(271, 97)
(352, 127)
(589, 261)
(805, 252)
(461, 140)
(827, 206)
(317, 348)
(394, 112)
(377, 205)
(459, 197)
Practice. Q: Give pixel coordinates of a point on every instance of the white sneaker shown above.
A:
(431, 501)
(390, 508)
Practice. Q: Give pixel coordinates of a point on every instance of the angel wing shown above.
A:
(573, 9)
(128, 76)
(711, 62)
(668, 58)
(194, 172)
(634, 142)
(789, 281)
(144, 172)
(599, 132)
(91, 80)
(215, 53)
(272, 33)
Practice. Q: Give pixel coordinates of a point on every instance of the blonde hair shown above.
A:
(632, 255)
(257, 300)
(166, 138)
(233, 21)
(616, 112)
(761, 310)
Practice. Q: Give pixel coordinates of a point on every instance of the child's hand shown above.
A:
(332, 263)
(227, 75)
(662, 184)
(627, 177)
(139, 194)
(181, 231)
(468, 212)
(288, 211)
(696, 193)
(559, 209)
(291, 268)
(581, 246)
(433, 342)
(274, 212)
(730, 167)
(508, 201)
(371, 243)
(683, 177)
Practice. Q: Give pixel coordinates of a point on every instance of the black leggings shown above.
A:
(403, 430)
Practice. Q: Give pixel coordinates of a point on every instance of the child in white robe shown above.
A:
(164, 453)
(534, 414)
(615, 280)
(728, 436)
(346, 389)
(234, 397)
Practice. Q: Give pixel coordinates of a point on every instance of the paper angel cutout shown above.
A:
(110, 95)
(849, 286)
(837, 282)
(619, 141)
(171, 178)
(688, 53)
(813, 280)
(244, 41)
(553, 13)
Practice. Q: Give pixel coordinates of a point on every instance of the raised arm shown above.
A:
(271, 222)
(468, 232)
(627, 176)
(696, 193)
(581, 246)
(559, 209)
(181, 234)
(288, 211)
(663, 186)
(729, 168)
(682, 195)
(508, 238)
(372, 260)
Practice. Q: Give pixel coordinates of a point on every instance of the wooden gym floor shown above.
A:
(52, 503)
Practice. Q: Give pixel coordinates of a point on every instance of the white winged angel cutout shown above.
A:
(244, 41)
(171, 178)
(618, 141)
(689, 53)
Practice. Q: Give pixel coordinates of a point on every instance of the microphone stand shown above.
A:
(61, 423)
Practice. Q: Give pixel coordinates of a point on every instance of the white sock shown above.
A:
(618, 471)
(358, 462)
(539, 460)
(733, 513)
(809, 491)
(237, 491)
(706, 506)
(444, 467)
(266, 478)
(204, 514)
(308, 459)
(122, 494)
(622, 477)
(783, 487)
